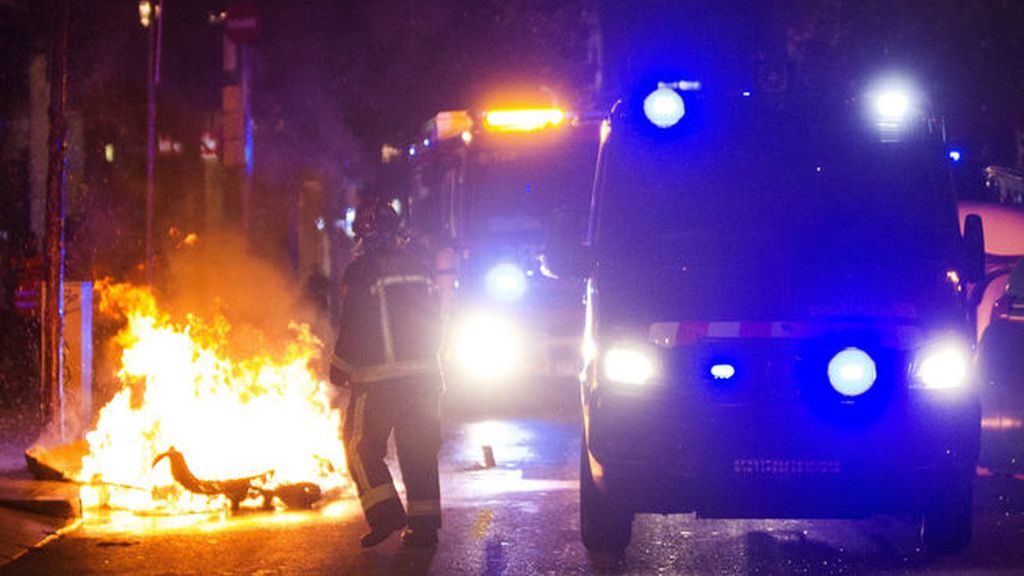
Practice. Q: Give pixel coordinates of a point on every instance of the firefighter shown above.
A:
(387, 355)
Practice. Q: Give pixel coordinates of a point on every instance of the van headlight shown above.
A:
(630, 364)
(487, 347)
(943, 365)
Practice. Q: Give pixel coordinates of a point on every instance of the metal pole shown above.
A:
(247, 142)
(154, 38)
(160, 10)
(151, 122)
(54, 237)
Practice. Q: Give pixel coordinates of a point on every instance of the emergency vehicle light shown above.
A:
(893, 105)
(664, 107)
(723, 371)
(506, 282)
(852, 372)
(523, 120)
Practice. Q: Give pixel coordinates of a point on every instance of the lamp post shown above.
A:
(53, 337)
(151, 18)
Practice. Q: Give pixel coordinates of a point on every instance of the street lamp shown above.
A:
(145, 13)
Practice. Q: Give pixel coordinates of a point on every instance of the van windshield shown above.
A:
(786, 222)
(513, 190)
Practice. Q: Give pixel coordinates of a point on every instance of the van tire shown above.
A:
(606, 526)
(946, 523)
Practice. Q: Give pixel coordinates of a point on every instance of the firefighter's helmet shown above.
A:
(375, 219)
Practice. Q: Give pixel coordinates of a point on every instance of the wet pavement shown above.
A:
(521, 517)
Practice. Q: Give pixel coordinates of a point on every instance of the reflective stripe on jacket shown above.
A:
(386, 370)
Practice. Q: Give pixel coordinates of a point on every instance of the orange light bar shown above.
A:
(526, 120)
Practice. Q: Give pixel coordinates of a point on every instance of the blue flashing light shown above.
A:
(892, 105)
(426, 141)
(506, 282)
(746, 93)
(955, 155)
(852, 372)
(723, 371)
(664, 107)
(412, 150)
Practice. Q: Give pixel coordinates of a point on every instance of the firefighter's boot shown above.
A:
(419, 538)
(378, 534)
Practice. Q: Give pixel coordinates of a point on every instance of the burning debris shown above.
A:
(300, 495)
(236, 489)
(258, 431)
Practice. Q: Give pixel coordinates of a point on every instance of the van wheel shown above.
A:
(605, 525)
(947, 521)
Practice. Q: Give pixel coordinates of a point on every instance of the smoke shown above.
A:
(218, 277)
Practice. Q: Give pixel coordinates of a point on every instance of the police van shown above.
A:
(776, 322)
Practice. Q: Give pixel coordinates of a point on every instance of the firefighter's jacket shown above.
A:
(391, 324)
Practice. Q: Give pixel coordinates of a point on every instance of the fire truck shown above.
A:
(482, 190)
(776, 322)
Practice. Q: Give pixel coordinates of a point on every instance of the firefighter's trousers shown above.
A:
(410, 408)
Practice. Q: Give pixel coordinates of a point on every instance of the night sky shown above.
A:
(333, 81)
(361, 73)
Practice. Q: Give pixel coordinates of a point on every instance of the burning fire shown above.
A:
(266, 419)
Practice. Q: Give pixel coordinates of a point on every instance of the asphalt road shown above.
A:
(520, 517)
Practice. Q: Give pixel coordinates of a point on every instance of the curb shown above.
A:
(33, 513)
(22, 531)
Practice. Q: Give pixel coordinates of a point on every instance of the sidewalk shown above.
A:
(32, 511)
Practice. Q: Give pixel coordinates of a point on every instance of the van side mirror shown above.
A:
(973, 249)
(565, 253)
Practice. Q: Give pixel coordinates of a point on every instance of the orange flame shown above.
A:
(230, 418)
